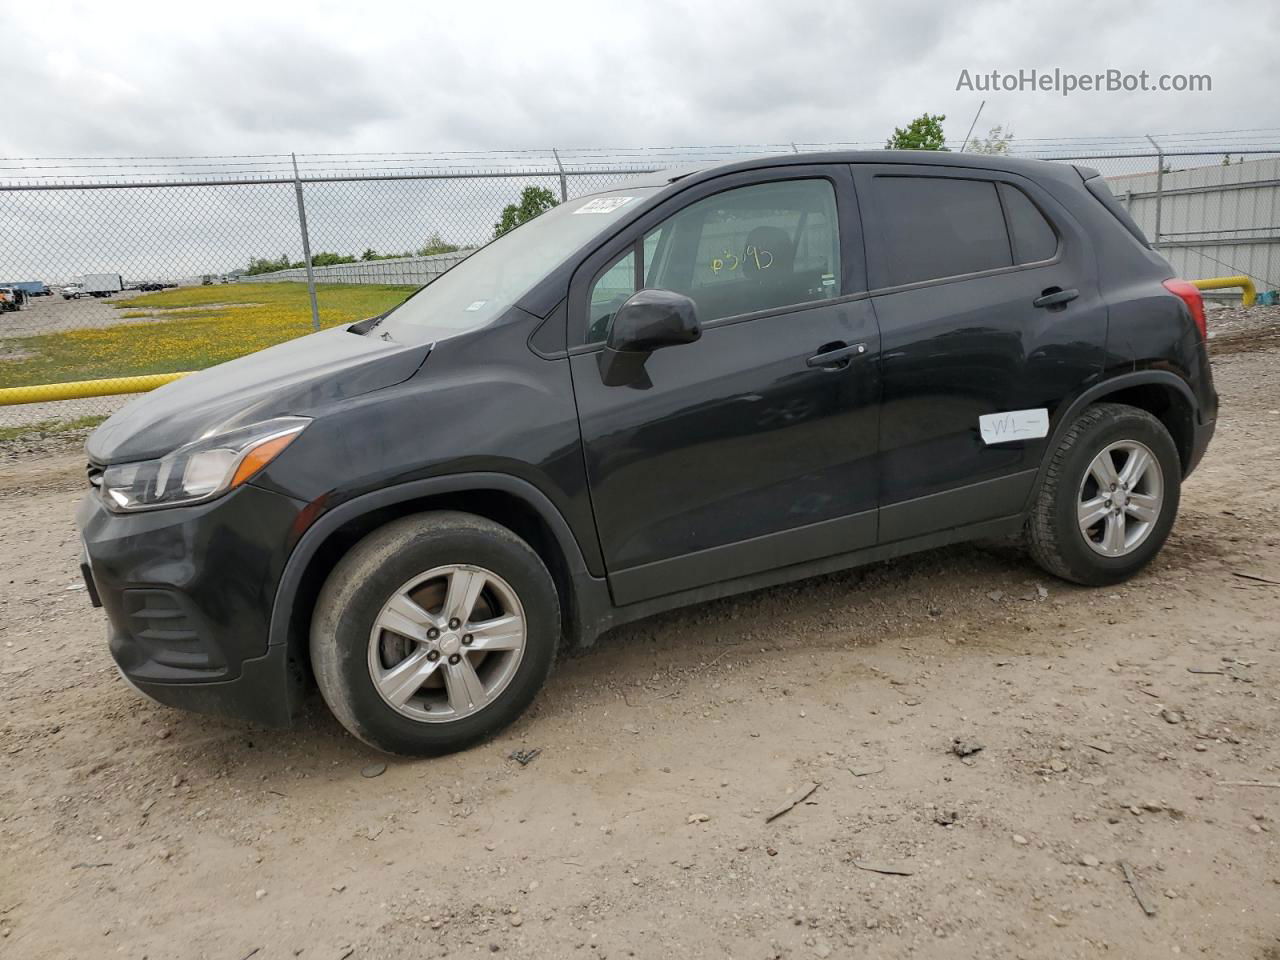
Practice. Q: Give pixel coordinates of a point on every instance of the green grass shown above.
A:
(41, 427)
(189, 328)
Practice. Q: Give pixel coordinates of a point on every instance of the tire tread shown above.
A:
(1043, 532)
(363, 561)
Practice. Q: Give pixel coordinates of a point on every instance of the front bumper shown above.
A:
(188, 594)
(268, 689)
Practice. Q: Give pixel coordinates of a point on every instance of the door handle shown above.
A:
(836, 356)
(1055, 297)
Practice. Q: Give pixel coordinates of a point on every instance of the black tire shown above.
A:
(366, 578)
(1053, 531)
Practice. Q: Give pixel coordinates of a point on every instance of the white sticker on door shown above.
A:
(1014, 425)
(603, 204)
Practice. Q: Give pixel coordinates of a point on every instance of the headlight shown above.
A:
(200, 470)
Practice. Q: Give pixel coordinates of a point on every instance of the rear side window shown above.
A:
(1033, 238)
(940, 227)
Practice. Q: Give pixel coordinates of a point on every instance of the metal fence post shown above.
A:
(564, 184)
(306, 243)
(1159, 186)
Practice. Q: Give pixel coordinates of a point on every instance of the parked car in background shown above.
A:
(703, 383)
(32, 288)
(11, 299)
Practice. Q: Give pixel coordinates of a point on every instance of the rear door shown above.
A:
(742, 452)
(958, 260)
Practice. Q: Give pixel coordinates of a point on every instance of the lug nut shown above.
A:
(433, 633)
(468, 640)
(433, 655)
(454, 623)
(454, 659)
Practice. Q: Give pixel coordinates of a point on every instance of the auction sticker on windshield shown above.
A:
(603, 204)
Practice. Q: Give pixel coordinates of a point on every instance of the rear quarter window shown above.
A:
(1102, 193)
(1032, 236)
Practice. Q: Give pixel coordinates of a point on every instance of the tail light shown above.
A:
(1190, 295)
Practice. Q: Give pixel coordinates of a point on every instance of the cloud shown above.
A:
(164, 78)
(151, 79)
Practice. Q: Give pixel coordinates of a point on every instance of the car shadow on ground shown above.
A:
(918, 594)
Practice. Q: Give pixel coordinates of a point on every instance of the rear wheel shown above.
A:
(434, 632)
(1109, 496)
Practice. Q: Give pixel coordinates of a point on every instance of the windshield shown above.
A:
(487, 283)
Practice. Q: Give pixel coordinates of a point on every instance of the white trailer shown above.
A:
(100, 284)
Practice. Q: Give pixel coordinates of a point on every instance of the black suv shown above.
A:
(703, 383)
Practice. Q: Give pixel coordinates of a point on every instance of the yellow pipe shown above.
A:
(1247, 299)
(78, 389)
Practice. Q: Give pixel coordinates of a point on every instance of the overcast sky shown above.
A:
(130, 79)
(126, 78)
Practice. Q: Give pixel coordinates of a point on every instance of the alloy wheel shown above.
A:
(447, 643)
(1120, 498)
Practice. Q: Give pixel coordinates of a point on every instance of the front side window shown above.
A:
(750, 249)
(754, 248)
(935, 227)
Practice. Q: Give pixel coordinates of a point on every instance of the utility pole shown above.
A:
(972, 125)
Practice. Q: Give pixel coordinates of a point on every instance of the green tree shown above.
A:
(259, 265)
(533, 201)
(324, 259)
(922, 133)
(437, 244)
(997, 141)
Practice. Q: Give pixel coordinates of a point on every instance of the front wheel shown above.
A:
(434, 632)
(1109, 497)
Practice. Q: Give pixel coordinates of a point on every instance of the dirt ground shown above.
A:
(1116, 726)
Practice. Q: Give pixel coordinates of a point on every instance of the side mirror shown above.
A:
(648, 321)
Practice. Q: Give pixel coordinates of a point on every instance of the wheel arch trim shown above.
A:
(1100, 391)
(309, 544)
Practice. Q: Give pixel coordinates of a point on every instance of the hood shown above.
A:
(298, 377)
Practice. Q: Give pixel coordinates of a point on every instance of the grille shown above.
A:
(95, 475)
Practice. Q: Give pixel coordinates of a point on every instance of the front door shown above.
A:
(754, 447)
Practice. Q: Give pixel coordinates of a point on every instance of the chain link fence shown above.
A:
(134, 267)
